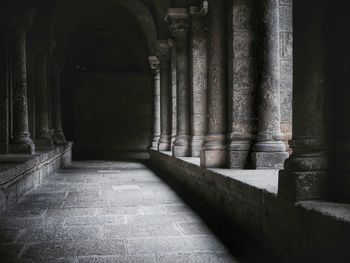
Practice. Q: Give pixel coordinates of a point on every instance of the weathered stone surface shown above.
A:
(214, 148)
(21, 142)
(269, 137)
(242, 85)
(154, 64)
(164, 50)
(303, 174)
(178, 19)
(198, 46)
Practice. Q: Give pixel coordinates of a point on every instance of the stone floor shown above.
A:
(96, 211)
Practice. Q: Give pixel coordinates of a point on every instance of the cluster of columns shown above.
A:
(208, 111)
(26, 75)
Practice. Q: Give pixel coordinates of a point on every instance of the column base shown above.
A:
(44, 140)
(213, 158)
(238, 159)
(268, 160)
(59, 137)
(27, 147)
(297, 186)
(164, 143)
(181, 151)
(196, 146)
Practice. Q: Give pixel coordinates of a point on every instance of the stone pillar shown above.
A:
(21, 141)
(4, 105)
(198, 80)
(165, 95)
(242, 84)
(173, 93)
(179, 24)
(214, 148)
(43, 49)
(154, 64)
(304, 171)
(56, 70)
(269, 151)
(31, 86)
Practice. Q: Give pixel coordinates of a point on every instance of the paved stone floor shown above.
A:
(96, 211)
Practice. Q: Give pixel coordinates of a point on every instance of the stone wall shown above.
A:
(112, 115)
(293, 232)
(21, 173)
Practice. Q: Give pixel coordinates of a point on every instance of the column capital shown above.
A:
(179, 21)
(163, 49)
(154, 64)
(22, 22)
(201, 10)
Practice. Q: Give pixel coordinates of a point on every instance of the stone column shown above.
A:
(165, 95)
(269, 151)
(56, 70)
(179, 24)
(43, 49)
(4, 105)
(198, 79)
(31, 86)
(154, 64)
(242, 84)
(21, 141)
(214, 148)
(304, 171)
(173, 93)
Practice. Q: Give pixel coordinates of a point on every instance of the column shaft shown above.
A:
(179, 23)
(56, 70)
(154, 64)
(165, 95)
(269, 150)
(198, 80)
(43, 50)
(4, 105)
(214, 149)
(242, 84)
(304, 171)
(21, 142)
(173, 93)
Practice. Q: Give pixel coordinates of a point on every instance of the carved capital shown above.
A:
(179, 21)
(164, 49)
(22, 23)
(154, 64)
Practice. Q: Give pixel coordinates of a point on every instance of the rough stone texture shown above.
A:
(242, 85)
(21, 142)
(4, 102)
(214, 148)
(286, 67)
(304, 172)
(154, 64)
(56, 70)
(144, 228)
(304, 232)
(22, 173)
(164, 50)
(119, 122)
(198, 48)
(269, 138)
(178, 19)
(42, 49)
(173, 93)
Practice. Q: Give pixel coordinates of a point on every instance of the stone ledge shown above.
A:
(301, 232)
(20, 173)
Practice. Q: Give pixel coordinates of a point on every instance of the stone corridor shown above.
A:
(96, 211)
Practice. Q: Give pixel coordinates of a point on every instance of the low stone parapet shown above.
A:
(21, 173)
